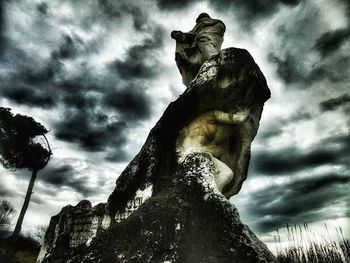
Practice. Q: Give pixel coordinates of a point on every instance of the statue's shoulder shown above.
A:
(242, 59)
(236, 50)
(238, 53)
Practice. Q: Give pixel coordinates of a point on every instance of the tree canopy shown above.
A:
(23, 143)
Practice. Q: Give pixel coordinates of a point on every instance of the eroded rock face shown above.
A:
(219, 134)
(74, 226)
(229, 83)
(167, 206)
(189, 221)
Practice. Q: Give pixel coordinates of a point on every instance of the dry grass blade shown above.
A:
(305, 249)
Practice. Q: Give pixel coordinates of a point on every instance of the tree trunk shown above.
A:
(18, 227)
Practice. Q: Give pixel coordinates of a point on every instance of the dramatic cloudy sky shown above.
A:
(99, 73)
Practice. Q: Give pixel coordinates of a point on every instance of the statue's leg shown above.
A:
(208, 51)
(207, 46)
(188, 61)
(224, 174)
(183, 67)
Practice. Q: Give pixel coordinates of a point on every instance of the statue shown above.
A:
(197, 46)
(194, 159)
(213, 132)
(216, 133)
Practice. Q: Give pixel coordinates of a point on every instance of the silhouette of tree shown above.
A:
(23, 145)
(6, 214)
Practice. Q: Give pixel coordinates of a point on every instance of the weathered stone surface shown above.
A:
(189, 221)
(165, 208)
(72, 227)
(229, 82)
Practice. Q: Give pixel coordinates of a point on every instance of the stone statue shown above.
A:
(198, 45)
(194, 159)
(215, 133)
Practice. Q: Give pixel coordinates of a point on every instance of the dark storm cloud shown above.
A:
(66, 175)
(94, 131)
(334, 71)
(287, 68)
(39, 75)
(2, 26)
(299, 201)
(96, 105)
(88, 96)
(301, 41)
(275, 128)
(270, 133)
(66, 50)
(98, 123)
(140, 19)
(24, 94)
(32, 86)
(42, 8)
(133, 67)
(116, 10)
(252, 7)
(285, 161)
(32, 82)
(129, 103)
(109, 9)
(248, 11)
(334, 103)
(299, 116)
(289, 160)
(141, 61)
(329, 42)
(291, 69)
(46, 86)
(169, 5)
(78, 100)
(37, 199)
(253, 10)
(4, 192)
(342, 141)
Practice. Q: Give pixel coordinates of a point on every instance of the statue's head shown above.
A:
(201, 16)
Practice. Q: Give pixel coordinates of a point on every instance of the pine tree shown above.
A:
(23, 145)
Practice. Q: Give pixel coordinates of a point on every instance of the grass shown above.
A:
(305, 249)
